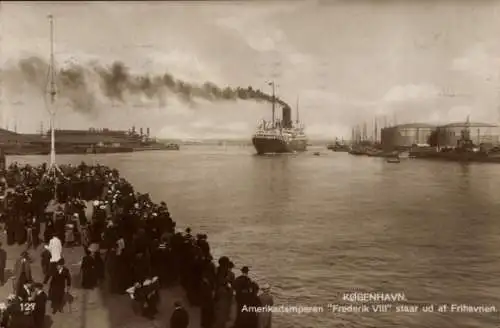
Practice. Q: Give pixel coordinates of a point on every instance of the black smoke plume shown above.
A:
(115, 81)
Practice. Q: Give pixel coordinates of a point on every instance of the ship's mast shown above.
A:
(467, 128)
(297, 111)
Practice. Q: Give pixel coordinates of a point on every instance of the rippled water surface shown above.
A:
(314, 227)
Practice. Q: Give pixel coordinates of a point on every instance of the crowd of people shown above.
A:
(121, 231)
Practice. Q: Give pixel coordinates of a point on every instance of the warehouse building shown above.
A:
(480, 133)
(406, 135)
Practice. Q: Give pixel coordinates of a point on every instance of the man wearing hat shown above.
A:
(60, 281)
(180, 317)
(243, 288)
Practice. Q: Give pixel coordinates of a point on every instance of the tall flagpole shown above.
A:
(52, 92)
(53, 169)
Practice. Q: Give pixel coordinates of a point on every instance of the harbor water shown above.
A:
(315, 227)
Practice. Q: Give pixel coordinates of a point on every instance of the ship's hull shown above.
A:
(278, 146)
(158, 147)
(458, 157)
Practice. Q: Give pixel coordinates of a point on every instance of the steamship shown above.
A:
(280, 136)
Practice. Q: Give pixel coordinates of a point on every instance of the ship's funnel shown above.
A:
(140, 131)
(287, 117)
(147, 132)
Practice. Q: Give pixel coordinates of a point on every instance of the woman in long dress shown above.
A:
(88, 271)
(22, 272)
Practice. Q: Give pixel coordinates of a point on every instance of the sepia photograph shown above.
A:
(250, 164)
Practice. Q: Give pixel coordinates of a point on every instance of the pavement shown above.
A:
(95, 308)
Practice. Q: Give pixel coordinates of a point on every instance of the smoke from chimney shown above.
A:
(115, 81)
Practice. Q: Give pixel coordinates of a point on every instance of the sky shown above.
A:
(346, 62)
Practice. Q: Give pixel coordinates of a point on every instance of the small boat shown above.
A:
(404, 154)
(316, 153)
(393, 160)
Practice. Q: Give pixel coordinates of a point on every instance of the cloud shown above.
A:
(411, 92)
(183, 64)
(330, 131)
(173, 131)
(459, 113)
(202, 124)
(258, 29)
(252, 28)
(481, 60)
(215, 121)
(205, 129)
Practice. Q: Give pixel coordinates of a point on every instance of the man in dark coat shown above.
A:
(180, 317)
(247, 318)
(207, 304)
(45, 260)
(59, 281)
(3, 261)
(40, 306)
(243, 288)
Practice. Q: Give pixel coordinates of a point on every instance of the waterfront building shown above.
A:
(405, 135)
(480, 133)
(10, 138)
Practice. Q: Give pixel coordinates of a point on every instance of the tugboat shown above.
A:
(338, 146)
(280, 136)
(394, 159)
